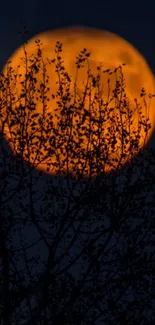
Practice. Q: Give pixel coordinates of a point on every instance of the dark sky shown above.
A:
(132, 20)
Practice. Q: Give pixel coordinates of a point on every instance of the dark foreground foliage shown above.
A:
(75, 248)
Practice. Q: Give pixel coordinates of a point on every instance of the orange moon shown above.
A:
(106, 48)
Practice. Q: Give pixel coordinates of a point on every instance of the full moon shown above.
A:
(105, 48)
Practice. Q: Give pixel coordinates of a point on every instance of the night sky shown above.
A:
(131, 20)
(134, 21)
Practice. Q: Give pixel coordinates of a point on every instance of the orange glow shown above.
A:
(104, 47)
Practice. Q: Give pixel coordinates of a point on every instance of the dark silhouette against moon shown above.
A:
(104, 47)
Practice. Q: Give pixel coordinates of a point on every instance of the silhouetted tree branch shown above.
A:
(96, 225)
